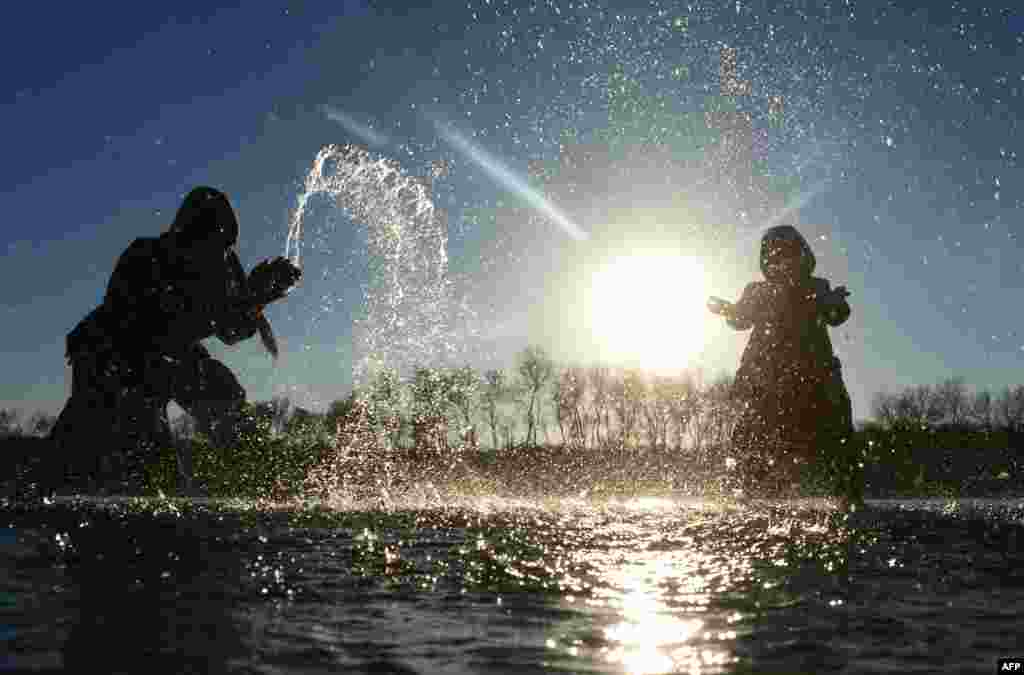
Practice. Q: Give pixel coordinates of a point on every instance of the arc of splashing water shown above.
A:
(406, 314)
(313, 179)
(407, 317)
(360, 173)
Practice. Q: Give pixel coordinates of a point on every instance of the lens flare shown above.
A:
(796, 203)
(506, 177)
(355, 128)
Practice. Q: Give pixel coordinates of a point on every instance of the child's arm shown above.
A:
(241, 319)
(740, 315)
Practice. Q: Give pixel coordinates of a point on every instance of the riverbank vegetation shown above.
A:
(540, 428)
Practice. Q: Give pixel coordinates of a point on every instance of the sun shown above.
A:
(648, 311)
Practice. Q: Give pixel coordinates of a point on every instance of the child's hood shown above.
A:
(785, 234)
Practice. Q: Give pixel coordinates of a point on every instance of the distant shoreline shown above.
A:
(562, 472)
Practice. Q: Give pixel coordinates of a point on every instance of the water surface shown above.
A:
(499, 585)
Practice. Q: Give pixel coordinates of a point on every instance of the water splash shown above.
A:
(715, 153)
(405, 319)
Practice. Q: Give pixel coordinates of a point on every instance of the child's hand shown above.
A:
(834, 297)
(272, 279)
(719, 306)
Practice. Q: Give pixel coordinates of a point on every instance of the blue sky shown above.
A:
(905, 114)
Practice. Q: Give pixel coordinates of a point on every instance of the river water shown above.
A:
(503, 586)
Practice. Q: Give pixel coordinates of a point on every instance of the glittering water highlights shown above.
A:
(502, 585)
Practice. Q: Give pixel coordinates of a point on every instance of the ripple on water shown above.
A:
(637, 586)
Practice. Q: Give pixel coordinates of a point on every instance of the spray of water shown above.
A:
(659, 97)
(407, 316)
(405, 320)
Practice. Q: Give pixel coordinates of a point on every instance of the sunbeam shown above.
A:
(355, 128)
(799, 201)
(501, 173)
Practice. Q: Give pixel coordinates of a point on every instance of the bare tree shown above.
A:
(494, 391)
(702, 421)
(721, 411)
(570, 388)
(683, 405)
(599, 381)
(559, 406)
(627, 396)
(949, 402)
(508, 428)
(952, 401)
(983, 410)
(657, 409)
(535, 370)
(578, 377)
(464, 392)
(917, 407)
(885, 409)
(1009, 408)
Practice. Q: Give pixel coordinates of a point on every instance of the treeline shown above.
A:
(538, 403)
(946, 438)
(509, 424)
(950, 404)
(555, 428)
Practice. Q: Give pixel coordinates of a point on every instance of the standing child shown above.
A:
(795, 416)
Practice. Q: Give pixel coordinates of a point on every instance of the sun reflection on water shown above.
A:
(651, 604)
(650, 637)
(641, 640)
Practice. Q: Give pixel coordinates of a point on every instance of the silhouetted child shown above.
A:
(141, 348)
(795, 410)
